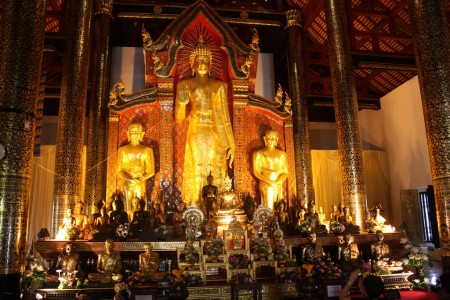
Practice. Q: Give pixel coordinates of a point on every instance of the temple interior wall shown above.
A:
(398, 128)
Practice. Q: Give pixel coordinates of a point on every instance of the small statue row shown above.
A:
(109, 263)
(107, 220)
(348, 252)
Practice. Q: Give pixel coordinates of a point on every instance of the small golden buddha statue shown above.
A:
(210, 139)
(81, 220)
(209, 195)
(228, 200)
(270, 167)
(68, 261)
(149, 262)
(348, 253)
(135, 164)
(68, 224)
(109, 265)
(379, 249)
(141, 218)
(312, 252)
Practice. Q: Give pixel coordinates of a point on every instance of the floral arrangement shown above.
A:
(416, 256)
(214, 247)
(191, 254)
(288, 276)
(167, 279)
(72, 233)
(370, 226)
(379, 267)
(71, 280)
(89, 231)
(420, 284)
(337, 227)
(238, 261)
(121, 287)
(270, 224)
(161, 232)
(280, 251)
(304, 228)
(325, 269)
(260, 244)
(33, 272)
(123, 230)
(192, 280)
(136, 278)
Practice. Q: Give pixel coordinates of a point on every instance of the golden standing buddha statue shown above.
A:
(135, 164)
(210, 139)
(270, 167)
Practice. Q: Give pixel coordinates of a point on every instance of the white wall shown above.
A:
(399, 128)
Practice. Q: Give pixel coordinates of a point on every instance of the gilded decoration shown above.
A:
(104, 7)
(71, 119)
(250, 115)
(346, 110)
(432, 41)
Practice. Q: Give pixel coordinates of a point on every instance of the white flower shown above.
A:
(404, 241)
(426, 280)
(414, 250)
(408, 246)
(425, 258)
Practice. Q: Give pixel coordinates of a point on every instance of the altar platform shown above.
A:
(326, 240)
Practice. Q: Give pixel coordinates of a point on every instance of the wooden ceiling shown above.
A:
(380, 33)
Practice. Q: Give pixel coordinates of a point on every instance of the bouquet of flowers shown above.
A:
(71, 280)
(325, 269)
(122, 231)
(191, 254)
(34, 272)
(72, 233)
(288, 276)
(416, 256)
(379, 267)
(304, 228)
(337, 227)
(260, 244)
(89, 232)
(192, 280)
(238, 261)
(280, 251)
(420, 284)
(161, 232)
(122, 287)
(370, 226)
(214, 247)
(136, 278)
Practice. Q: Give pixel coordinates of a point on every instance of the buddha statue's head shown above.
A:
(200, 58)
(135, 133)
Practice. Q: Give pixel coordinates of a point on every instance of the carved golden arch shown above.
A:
(166, 63)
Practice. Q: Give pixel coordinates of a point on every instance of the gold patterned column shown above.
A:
(297, 87)
(432, 45)
(72, 110)
(22, 32)
(346, 109)
(95, 187)
(240, 165)
(166, 154)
